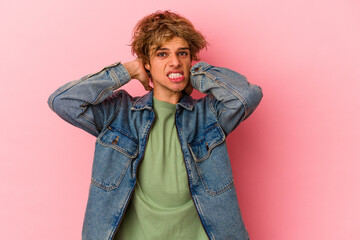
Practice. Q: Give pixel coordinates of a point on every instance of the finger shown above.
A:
(146, 85)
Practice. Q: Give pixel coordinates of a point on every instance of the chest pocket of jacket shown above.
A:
(212, 160)
(115, 150)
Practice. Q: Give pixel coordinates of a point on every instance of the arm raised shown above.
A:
(86, 103)
(234, 98)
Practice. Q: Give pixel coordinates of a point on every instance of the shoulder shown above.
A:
(121, 95)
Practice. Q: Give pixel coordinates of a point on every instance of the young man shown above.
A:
(161, 168)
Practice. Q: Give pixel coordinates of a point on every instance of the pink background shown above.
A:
(295, 161)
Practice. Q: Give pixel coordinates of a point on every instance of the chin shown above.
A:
(179, 88)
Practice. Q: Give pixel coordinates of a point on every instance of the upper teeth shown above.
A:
(175, 75)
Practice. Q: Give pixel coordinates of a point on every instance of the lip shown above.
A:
(176, 80)
(175, 71)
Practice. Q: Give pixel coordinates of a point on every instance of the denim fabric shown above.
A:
(122, 123)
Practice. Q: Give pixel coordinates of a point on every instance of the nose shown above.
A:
(174, 60)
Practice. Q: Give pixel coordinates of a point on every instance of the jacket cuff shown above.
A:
(120, 74)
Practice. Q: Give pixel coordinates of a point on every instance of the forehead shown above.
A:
(172, 44)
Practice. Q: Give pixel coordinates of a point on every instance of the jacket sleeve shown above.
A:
(86, 103)
(233, 97)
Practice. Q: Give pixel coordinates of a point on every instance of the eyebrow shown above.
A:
(166, 49)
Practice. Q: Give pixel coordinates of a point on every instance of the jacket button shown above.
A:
(114, 142)
(196, 69)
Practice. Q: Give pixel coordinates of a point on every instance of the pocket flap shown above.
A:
(201, 149)
(120, 141)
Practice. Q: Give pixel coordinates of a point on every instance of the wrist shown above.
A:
(132, 68)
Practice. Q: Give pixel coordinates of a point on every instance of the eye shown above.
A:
(183, 53)
(161, 54)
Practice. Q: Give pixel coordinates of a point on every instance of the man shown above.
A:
(161, 168)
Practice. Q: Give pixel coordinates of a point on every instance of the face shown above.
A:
(170, 69)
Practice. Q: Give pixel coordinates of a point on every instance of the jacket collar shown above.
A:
(146, 102)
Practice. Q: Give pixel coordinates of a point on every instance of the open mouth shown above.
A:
(176, 77)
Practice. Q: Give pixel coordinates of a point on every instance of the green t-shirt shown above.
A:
(161, 206)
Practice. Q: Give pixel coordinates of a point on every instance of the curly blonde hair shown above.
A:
(155, 29)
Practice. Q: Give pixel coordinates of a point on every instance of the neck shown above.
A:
(173, 97)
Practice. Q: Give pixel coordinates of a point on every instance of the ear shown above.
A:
(147, 66)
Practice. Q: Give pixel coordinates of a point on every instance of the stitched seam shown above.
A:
(211, 105)
(122, 132)
(121, 212)
(206, 131)
(236, 94)
(220, 141)
(222, 190)
(94, 102)
(200, 211)
(231, 90)
(190, 174)
(64, 90)
(210, 192)
(102, 186)
(86, 117)
(144, 107)
(188, 170)
(113, 117)
(113, 76)
(208, 152)
(118, 149)
(111, 186)
(84, 107)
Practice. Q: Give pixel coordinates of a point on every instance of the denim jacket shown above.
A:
(122, 124)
